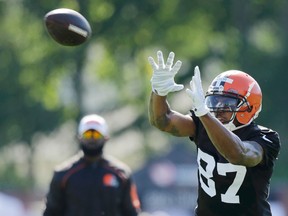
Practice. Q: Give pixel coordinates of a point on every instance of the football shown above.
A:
(67, 27)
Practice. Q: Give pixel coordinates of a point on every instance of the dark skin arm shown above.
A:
(228, 144)
(165, 119)
(247, 153)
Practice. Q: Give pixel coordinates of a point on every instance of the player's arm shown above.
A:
(246, 153)
(162, 81)
(165, 119)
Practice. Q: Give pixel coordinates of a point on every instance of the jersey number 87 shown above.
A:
(230, 196)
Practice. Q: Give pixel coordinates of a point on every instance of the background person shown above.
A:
(91, 183)
(235, 156)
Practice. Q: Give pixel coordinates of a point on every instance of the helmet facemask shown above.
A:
(227, 102)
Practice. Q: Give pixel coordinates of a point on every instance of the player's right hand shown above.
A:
(162, 80)
(196, 94)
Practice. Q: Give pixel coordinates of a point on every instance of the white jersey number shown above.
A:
(230, 196)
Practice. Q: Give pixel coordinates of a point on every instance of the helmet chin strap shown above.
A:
(229, 125)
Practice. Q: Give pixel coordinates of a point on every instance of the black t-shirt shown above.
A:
(227, 189)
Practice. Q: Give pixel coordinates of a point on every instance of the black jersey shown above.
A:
(227, 189)
(80, 188)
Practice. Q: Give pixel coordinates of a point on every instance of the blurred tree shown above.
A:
(221, 35)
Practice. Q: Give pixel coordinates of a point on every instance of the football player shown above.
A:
(235, 156)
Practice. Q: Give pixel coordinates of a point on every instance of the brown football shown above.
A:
(67, 27)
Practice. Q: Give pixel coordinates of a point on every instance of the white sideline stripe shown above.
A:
(77, 30)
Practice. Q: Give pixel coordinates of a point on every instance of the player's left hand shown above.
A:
(162, 80)
(197, 95)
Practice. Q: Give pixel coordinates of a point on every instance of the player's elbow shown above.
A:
(158, 125)
(235, 160)
(161, 123)
(244, 159)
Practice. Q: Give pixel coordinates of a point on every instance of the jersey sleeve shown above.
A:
(55, 205)
(196, 121)
(130, 203)
(270, 142)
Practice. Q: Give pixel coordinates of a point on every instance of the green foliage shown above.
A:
(246, 35)
(10, 179)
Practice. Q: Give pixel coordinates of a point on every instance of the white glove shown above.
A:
(197, 95)
(162, 80)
